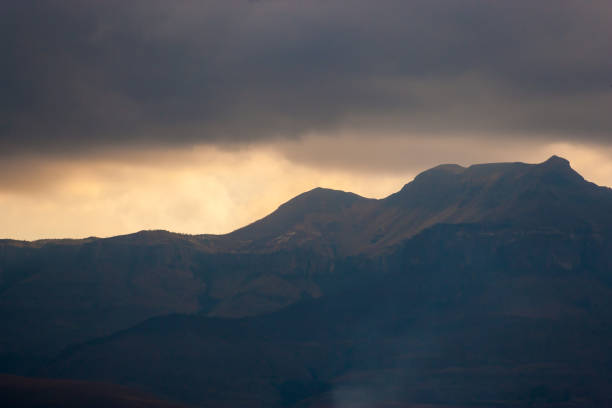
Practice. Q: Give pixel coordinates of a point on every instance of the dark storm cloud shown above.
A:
(87, 75)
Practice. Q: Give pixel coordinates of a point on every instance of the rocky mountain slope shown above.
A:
(459, 315)
(487, 285)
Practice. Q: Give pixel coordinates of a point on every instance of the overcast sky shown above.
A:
(200, 116)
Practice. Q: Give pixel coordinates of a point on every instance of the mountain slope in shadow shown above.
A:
(494, 274)
(461, 315)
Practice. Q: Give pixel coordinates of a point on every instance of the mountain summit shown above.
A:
(550, 194)
(486, 285)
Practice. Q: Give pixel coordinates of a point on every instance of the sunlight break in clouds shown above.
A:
(207, 190)
(199, 191)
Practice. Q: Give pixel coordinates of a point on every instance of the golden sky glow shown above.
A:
(202, 116)
(207, 190)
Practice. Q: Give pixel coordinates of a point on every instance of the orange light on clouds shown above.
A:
(208, 190)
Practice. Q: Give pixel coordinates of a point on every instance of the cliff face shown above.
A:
(459, 315)
(494, 274)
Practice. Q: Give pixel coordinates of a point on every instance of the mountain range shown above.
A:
(488, 285)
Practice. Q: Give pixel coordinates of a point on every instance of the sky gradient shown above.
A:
(202, 116)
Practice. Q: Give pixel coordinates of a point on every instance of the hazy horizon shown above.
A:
(383, 187)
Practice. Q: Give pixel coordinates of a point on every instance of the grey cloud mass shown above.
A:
(88, 75)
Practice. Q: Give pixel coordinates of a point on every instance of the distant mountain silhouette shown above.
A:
(487, 285)
(492, 193)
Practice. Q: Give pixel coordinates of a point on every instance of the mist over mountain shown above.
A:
(487, 285)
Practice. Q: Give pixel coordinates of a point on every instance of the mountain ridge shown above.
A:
(320, 199)
(464, 271)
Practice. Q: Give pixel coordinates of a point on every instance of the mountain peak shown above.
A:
(557, 161)
(557, 170)
(449, 167)
(442, 169)
(312, 205)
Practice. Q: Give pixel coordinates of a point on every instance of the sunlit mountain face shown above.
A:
(279, 203)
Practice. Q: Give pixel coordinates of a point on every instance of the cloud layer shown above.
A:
(201, 116)
(81, 76)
